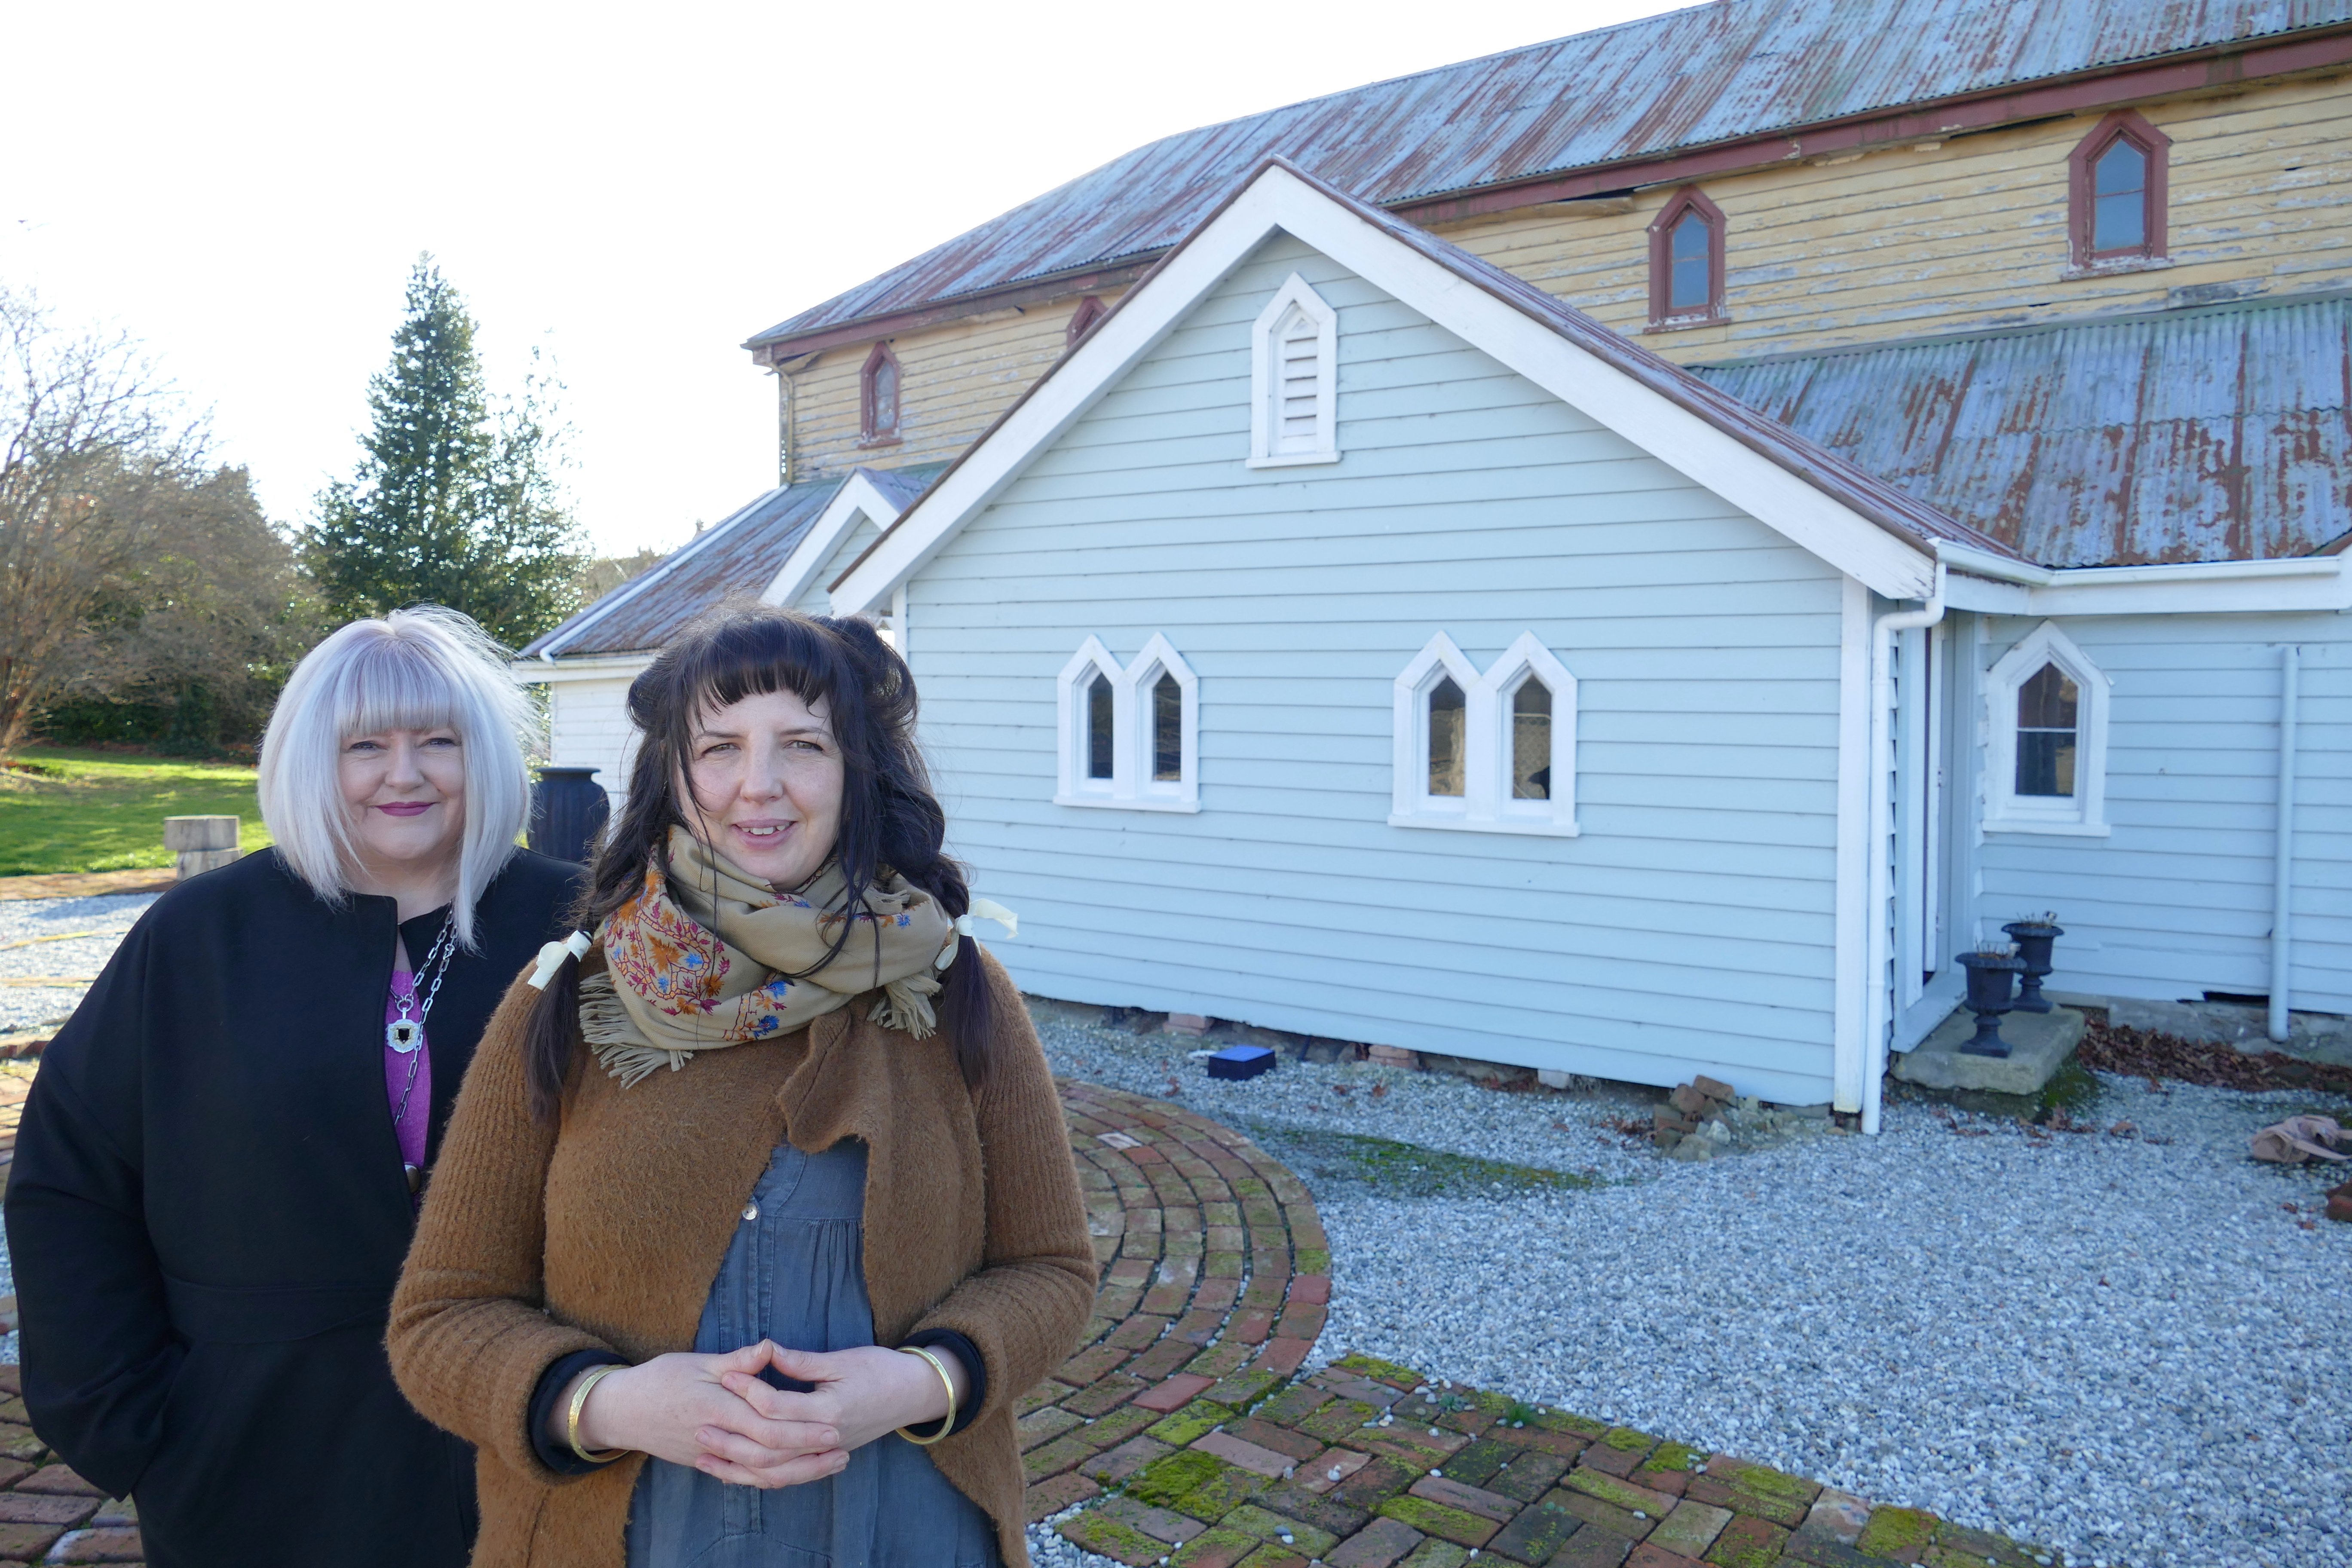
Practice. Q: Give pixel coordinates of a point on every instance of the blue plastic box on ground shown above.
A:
(1241, 1061)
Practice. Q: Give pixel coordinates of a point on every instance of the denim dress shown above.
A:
(795, 1274)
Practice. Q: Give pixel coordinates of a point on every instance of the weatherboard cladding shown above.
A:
(2220, 434)
(1705, 75)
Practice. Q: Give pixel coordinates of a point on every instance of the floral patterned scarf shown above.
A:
(698, 961)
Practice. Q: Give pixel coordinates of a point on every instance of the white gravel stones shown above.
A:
(1437, 1110)
(73, 963)
(2133, 1350)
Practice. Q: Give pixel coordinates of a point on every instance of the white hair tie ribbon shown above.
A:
(983, 911)
(552, 957)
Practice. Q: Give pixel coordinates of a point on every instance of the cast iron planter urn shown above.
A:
(2033, 939)
(1988, 998)
(568, 808)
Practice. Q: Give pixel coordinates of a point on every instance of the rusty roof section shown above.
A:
(2222, 433)
(741, 553)
(1704, 75)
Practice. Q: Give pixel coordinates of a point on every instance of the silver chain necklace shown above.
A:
(405, 1034)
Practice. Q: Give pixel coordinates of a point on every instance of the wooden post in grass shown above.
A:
(203, 843)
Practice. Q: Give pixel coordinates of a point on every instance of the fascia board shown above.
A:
(1682, 440)
(1277, 199)
(598, 667)
(2302, 583)
(858, 494)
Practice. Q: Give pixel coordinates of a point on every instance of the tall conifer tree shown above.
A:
(456, 500)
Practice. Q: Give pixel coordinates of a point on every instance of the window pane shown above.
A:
(2047, 726)
(2119, 206)
(1099, 749)
(2048, 700)
(1531, 742)
(1167, 730)
(1686, 286)
(2122, 168)
(1446, 717)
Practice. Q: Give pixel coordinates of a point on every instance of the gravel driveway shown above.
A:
(65, 942)
(2127, 1347)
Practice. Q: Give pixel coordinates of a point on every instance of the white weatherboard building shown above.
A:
(1348, 638)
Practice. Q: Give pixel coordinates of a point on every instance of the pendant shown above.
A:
(404, 1034)
(416, 1174)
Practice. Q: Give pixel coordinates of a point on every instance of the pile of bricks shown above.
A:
(1689, 1108)
(1368, 1465)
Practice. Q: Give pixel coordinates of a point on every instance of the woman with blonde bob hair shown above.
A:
(220, 1164)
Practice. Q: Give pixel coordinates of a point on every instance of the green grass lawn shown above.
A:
(104, 811)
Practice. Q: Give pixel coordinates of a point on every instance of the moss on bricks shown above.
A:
(1166, 1482)
(1626, 1440)
(1436, 1553)
(1110, 1538)
(1674, 1457)
(1380, 1371)
(1435, 1519)
(1190, 1422)
(1252, 1519)
(1899, 1532)
(1215, 1546)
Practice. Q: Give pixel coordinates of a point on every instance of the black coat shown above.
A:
(207, 1215)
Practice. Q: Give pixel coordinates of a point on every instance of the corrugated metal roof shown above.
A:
(1708, 74)
(2216, 433)
(741, 553)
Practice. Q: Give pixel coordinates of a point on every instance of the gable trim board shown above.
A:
(859, 496)
(1856, 523)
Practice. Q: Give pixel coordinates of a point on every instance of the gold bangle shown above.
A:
(946, 1423)
(589, 1380)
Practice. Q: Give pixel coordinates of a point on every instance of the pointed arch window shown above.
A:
(2118, 181)
(1090, 310)
(1293, 379)
(878, 398)
(2047, 716)
(1494, 752)
(1686, 260)
(1130, 733)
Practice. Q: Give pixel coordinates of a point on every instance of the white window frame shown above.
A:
(1524, 658)
(1266, 378)
(1130, 786)
(1484, 806)
(1072, 786)
(1143, 672)
(2083, 814)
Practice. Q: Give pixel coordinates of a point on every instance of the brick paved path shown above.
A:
(1367, 1465)
(1182, 1428)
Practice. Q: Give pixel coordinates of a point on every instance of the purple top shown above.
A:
(397, 1084)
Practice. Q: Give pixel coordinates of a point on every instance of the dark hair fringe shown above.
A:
(889, 816)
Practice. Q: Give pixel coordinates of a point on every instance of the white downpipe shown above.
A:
(1876, 1017)
(2283, 893)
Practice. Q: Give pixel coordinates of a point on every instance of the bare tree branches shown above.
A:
(118, 543)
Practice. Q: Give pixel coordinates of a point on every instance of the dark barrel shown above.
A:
(568, 809)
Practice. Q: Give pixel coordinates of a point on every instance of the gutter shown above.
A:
(2006, 569)
(1878, 1013)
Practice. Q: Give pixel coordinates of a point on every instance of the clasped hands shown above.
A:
(712, 1411)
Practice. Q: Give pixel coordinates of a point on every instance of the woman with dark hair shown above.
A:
(778, 1112)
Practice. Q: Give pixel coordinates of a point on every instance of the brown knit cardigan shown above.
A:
(607, 1231)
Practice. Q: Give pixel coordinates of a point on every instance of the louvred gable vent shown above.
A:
(1300, 339)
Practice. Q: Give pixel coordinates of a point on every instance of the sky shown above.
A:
(630, 192)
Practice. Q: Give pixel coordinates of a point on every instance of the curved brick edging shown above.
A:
(1216, 1275)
